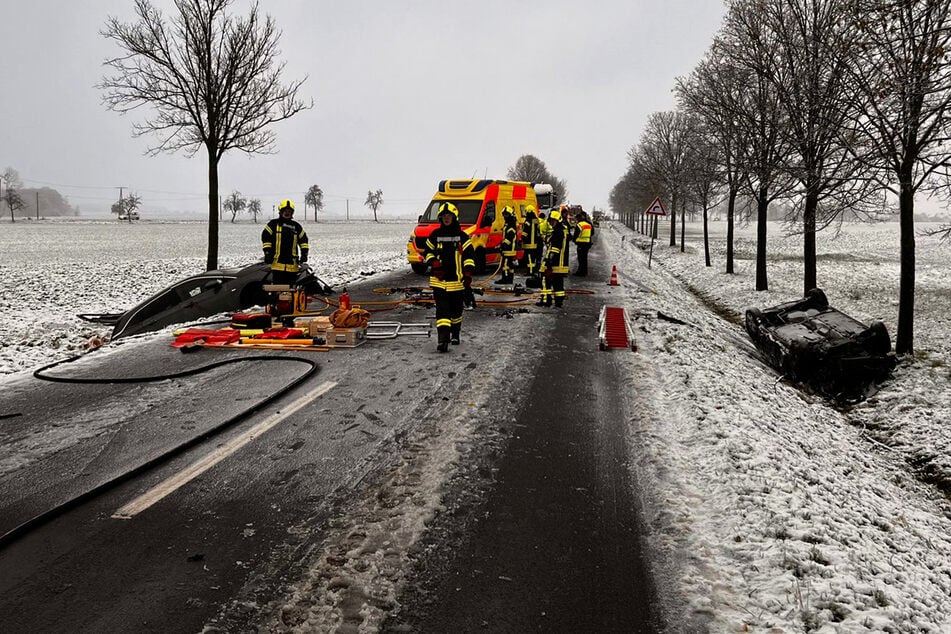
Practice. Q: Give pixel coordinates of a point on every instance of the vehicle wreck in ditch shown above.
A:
(816, 345)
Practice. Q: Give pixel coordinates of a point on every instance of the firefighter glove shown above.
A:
(303, 258)
(467, 279)
(268, 257)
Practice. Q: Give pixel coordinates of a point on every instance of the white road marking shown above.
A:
(194, 470)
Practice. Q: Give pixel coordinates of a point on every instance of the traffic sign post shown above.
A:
(655, 210)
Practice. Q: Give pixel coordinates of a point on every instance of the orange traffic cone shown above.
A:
(613, 281)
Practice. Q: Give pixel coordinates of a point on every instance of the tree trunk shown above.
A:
(809, 280)
(673, 220)
(762, 205)
(706, 236)
(212, 262)
(730, 212)
(683, 230)
(904, 340)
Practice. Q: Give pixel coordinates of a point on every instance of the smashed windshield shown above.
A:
(468, 211)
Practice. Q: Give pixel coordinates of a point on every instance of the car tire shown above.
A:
(817, 298)
(753, 318)
(877, 341)
(419, 268)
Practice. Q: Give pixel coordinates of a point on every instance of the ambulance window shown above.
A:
(489, 216)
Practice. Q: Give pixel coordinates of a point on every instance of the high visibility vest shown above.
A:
(585, 234)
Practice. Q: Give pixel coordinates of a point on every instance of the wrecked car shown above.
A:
(816, 345)
(202, 295)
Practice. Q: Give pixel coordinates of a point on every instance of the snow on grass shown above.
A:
(769, 509)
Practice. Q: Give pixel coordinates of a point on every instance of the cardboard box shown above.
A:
(345, 337)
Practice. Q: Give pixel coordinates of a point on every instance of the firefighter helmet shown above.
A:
(286, 204)
(554, 215)
(507, 210)
(447, 208)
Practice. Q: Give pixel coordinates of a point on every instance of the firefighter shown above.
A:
(582, 239)
(531, 242)
(449, 252)
(285, 245)
(557, 258)
(509, 245)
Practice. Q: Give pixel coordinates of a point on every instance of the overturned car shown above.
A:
(816, 345)
(202, 295)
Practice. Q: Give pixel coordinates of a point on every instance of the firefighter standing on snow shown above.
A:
(531, 241)
(449, 252)
(557, 259)
(509, 246)
(281, 240)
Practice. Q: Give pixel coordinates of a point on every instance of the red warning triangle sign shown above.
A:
(656, 208)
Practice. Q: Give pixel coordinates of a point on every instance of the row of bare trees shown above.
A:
(836, 108)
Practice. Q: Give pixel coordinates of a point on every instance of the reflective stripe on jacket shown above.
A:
(283, 238)
(584, 232)
(558, 248)
(453, 248)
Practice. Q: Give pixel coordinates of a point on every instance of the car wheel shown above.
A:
(876, 338)
(754, 317)
(817, 298)
(419, 267)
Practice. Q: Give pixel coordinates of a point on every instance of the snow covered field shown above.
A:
(771, 511)
(54, 270)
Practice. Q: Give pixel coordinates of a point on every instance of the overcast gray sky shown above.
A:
(406, 93)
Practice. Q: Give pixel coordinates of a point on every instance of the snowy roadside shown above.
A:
(772, 510)
(53, 271)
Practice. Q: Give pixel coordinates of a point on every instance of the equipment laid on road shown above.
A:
(614, 329)
(613, 281)
(392, 329)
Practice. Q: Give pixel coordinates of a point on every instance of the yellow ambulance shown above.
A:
(480, 203)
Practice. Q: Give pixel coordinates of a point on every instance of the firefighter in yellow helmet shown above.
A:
(532, 242)
(285, 245)
(509, 247)
(450, 254)
(556, 260)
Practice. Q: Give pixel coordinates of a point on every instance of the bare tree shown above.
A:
(533, 170)
(703, 177)
(814, 48)
(315, 198)
(747, 45)
(125, 208)
(712, 92)
(14, 201)
(211, 78)
(900, 123)
(664, 148)
(235, 203)
(373, 201)
(254, 208)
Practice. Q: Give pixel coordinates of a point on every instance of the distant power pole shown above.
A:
(348, 210)
(37, 205)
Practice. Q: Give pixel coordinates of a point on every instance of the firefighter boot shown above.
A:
(443, 344)
(454, 335)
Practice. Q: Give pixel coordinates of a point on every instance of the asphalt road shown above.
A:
(543, 533)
